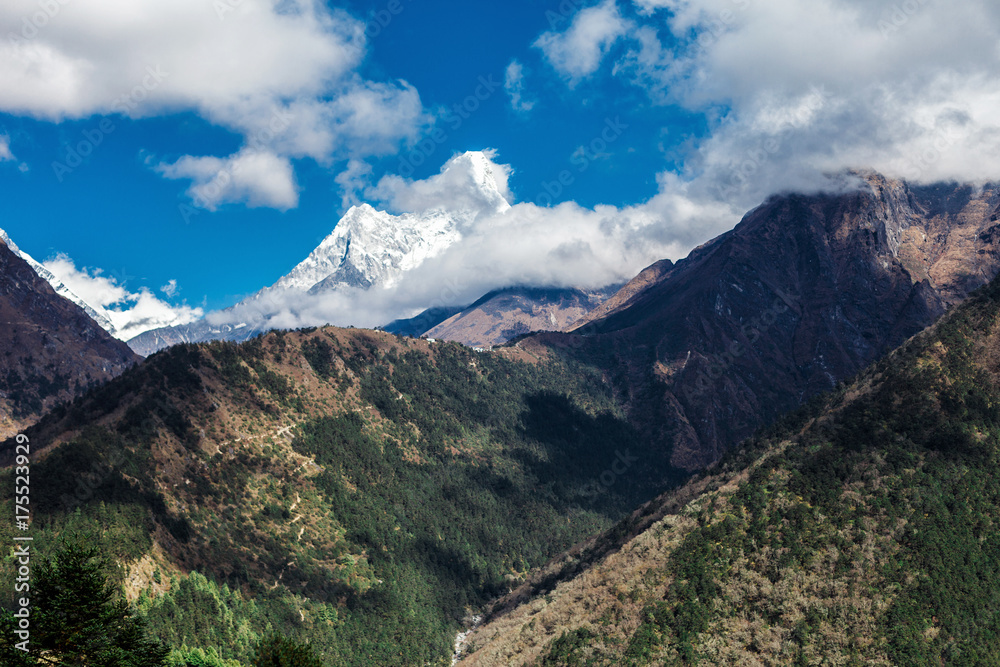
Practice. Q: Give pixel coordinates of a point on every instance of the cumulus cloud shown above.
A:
(458, 187)
(798, 91)
(578, 51)
(513, 85)
(281, 74)
(843, 84)
(250, 177)
(131, 313)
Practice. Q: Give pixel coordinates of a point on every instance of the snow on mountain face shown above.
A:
(367, 248)
(370, 247)
(58, 285)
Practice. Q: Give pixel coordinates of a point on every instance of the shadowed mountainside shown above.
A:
(803, 293)
(51, 351)
(858, 530)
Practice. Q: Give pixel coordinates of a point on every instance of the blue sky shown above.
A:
(715, 104)
(115, 213)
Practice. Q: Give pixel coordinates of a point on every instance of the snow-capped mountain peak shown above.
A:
(493, 186)
(58, 285)
(370, 247)
(367, 249)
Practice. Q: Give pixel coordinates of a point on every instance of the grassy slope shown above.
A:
(352, 488)
(860, 530)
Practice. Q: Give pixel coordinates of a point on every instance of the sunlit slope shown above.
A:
(860, 530)
(355, 489)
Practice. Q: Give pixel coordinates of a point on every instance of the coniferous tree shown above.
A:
(79, 618)
(278, 651)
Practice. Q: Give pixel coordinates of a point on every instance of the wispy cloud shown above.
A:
(5, 152)
(513, 84)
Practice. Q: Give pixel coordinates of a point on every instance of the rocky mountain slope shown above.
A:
(58, 285)
(352, 488)
(52, 350)
(508, 313)
(859, 530)
(803, 293)
(366, 248)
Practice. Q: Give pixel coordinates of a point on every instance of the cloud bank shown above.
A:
(796, 91)
(523, 244)
(130, 312)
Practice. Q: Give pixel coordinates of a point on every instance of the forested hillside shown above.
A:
(348, 488)
(859, 530)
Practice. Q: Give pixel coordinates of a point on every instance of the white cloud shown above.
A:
(797, 92)
(808, 89)
(170, 289)
(354, 178)
(456, 188)
(250, 177)
(282, 74)
(131, 313)
(91, 54)
(577, 52)
(513, 84)
(524, 244)
(5, 153)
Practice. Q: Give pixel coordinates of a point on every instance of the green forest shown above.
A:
(418, 482)
(862, 529)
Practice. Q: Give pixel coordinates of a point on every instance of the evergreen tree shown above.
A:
(79, 618)
(277, 651)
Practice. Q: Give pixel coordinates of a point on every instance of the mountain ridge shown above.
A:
(803, 293)
(858, 528)
(509, 312)
(53, 350)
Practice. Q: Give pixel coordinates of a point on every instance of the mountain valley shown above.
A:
(370, 492)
